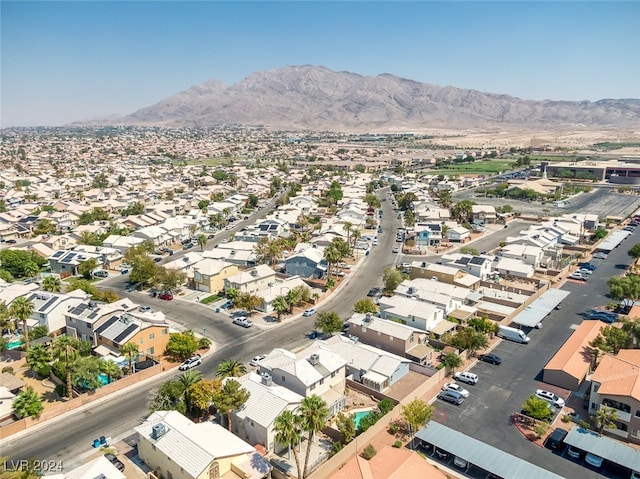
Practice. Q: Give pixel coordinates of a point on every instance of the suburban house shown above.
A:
(175, 447)
(65, 263)
(311, 371)
(149, 335)
(479, 266)
(417, 314)
(122, 243)
(508, 267)
(307, 263)
(443, 274)
(275, 289)
(391, 336)
(251, 280)
(458, 234)
(209, 274)
(528, 254)
(483, 213)
(255, 421)
(616, 383)
(446, 296)
(370, 366)
(97, 468)
(426, 235)
(49, 309)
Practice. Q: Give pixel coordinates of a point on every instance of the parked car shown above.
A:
(119, 465)
(593, 460)
(257, 359)
(556, 438)
(457, 388)
(577, 275)
(587, 265)
(309, 312)
(552, 398)
(242, 321)
(451, 396)
(372, 292)
(466, 377)
(240, 314)
(574, 452)
(585, 271)
(192, 362)
(165, 296)
(395, 249)
(490, 358)
(101, 274)
(600, 255)
(145, 309)
(459, 462)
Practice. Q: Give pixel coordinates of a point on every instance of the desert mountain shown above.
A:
(316, 98)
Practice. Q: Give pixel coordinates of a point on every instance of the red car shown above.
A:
(166, 296)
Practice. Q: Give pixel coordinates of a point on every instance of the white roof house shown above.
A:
(514, 267)
(49, 309)
(254, 422)
(417, 314)
(100, 467)
(528, 254)
(251, 280)
(169, 442)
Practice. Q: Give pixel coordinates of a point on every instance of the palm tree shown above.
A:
(22, 308)
(111, 369)
(6, 321)
(606, 417)
(52, 284)
(280, 305)
(65, 349)
(288, 432)
(188, 378)
(231, 397)
(85, 371)
(130, 351)
(27, 404)
(202, 241)
(39, 358)
(230, 368)
(355, 236)
(293, 296)
(333, 256)
(313, 414)
(462, 210)
(347, 226)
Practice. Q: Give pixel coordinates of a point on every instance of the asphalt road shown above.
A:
(67, 440)
(501, 390)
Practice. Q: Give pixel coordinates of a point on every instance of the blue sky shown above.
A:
(66, 61)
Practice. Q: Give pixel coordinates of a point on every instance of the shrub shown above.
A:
(44, 371)
(397, 444)
(393, 429)
(61, 390)
(385, 406)
(204, 343)
(7, 369)
(336, 447)
(368, 452)
(367, 421)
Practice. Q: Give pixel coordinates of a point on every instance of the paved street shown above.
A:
(503, 389)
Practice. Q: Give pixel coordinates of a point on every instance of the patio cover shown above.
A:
(607, 448)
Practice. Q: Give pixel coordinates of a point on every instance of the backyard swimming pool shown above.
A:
(358, 415)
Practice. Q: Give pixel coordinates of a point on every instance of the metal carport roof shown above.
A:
(605, 447)
(480, 454)
(536, 311)
(613, 240)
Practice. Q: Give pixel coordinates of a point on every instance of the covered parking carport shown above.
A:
(612, 241)
(479, 454)
(533, 314)
(609, 449)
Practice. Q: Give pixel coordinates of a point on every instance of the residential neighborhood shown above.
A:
(227, 306)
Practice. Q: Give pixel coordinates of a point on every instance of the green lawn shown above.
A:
(481, 167)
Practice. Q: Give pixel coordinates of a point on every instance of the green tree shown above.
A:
(288, 432)
(202, 241)
(65, 349)
(182, 345)
(372, 200)
(143, 270)
(232, 294)
(416, 413)
(230, 368)
(313, 413)
(462, 211)
(248, 301)
(451, 361)
(347, 427)
(469, 250)
(391, 279)
(606, 418)
(52, 284)
(39, 359)
(199, 396)
(365, 305)
(537, 408)
(333, 256)
(44, 226)
(27, 403)
(85, 372)
(188, 378)
(87, 267)
(634, 252)
(22, 308)
(230, 397)
(130, 351)
(328, 322)
(111, 369)
(169, 279)
(280, 305)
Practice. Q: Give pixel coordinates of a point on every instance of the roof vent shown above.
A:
(267, 380)
(157, 431)
(412, 290)
(254, 273)
(314, 359)
(368, 317)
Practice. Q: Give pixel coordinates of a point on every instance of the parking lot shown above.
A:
(502, 390)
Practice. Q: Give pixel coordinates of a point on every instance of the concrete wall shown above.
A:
(86, 398)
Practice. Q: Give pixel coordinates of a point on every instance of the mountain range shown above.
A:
(317, 98)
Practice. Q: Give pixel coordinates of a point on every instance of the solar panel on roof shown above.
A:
(58, 254)
(106, 324)
(70, 256)
(48, 303)
(79, 309)
(129, 329)
(478, 260)
(93, 314)
(464, 260)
